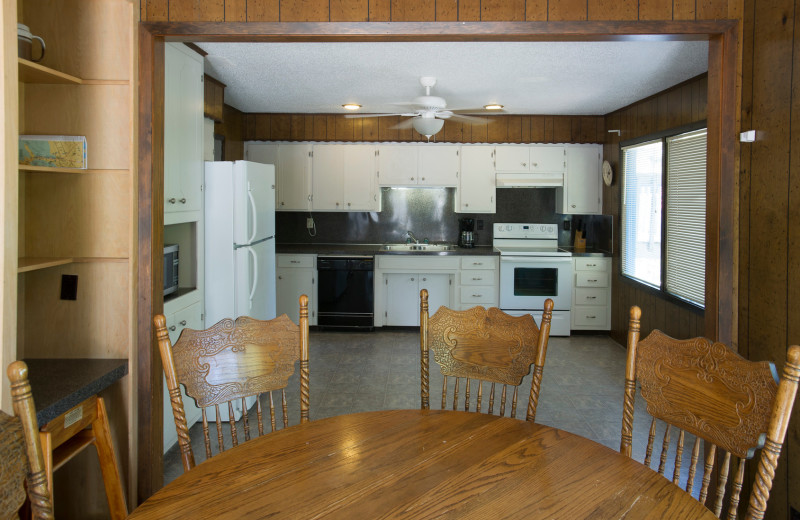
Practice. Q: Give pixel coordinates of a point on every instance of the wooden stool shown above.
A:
(71, 432)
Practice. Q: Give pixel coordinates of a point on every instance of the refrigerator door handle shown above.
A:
(255, 214)
(255, 275)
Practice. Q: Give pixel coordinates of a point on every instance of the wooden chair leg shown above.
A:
(47, 454)
(108, 463)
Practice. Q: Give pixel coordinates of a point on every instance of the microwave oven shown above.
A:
(170, 268)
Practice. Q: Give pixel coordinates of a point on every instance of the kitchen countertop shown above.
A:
(589, 251)
(60, 384)
(371, 249)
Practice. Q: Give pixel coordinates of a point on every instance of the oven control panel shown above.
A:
(526, 231)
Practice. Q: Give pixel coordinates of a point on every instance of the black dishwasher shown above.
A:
(345, 298)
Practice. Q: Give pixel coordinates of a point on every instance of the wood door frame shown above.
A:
(722, 36)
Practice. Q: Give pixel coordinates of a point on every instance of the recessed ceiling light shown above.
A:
(493, 106)
(351, 106)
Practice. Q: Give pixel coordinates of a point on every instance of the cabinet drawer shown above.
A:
(295, 260)
(419, 263)
(591, 279)
(587, 296)
(591, 264)
(478, 262)
(590, 316)
(476, 294)
(477, 277)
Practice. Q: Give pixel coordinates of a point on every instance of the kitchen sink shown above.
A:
(418, 248)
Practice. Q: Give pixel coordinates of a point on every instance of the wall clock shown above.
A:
(608, 173)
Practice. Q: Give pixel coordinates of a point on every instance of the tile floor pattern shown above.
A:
(582, 389)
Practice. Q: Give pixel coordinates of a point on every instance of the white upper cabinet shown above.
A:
(513, 158)
(438, 165)
(360, 178)
(582, 191)
(476, 183)
(533, 159)
(183, 131)
(343, 178)
(397, 165)
(292, 172)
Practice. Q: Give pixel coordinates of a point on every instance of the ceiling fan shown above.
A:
(428, 112)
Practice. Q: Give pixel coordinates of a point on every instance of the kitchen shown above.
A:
(401, 205)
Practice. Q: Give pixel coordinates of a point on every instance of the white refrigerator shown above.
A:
(239, 240)
(239, 246)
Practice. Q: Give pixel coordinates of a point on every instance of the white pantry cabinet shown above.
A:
(183, 133)
(344, 178)
(476, 183)
(582, 191)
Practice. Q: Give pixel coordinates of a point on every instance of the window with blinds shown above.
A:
(641, 212)
(685, 225)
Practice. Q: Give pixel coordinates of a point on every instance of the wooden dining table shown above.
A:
(420, 464)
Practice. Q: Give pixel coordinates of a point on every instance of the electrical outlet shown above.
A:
(69, 286)
(310, 223)
(480, 224)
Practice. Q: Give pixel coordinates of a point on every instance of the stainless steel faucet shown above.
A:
(411, 237)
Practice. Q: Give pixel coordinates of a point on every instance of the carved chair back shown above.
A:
(704, 388)
(21, 457)
(480, 346)
(231, 361)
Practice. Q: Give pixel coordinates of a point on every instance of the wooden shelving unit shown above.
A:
(29, 263)
(30, 72)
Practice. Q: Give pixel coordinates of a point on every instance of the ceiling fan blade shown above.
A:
(480, 110)
(469, 119)
(353, 116)
(404, 125)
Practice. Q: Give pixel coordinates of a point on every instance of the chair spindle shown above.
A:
(651, 439)
(708, 469)
(736, 490)
(480, 395)
(232, 421)
(272, 423)
(455, 394)
(491, 399)
(444, 393)
(693, 467)
(260, 415)
(664, 452)
(220, 440)
(285, 409)
(245, 424)
(721, 482)
(676, 474)
(514, 402)
(206, 438)
(466, 396)
(503, 402)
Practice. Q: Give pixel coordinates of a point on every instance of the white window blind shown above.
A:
(641, 212)
(685, 245)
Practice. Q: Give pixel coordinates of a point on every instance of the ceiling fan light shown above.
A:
(493, 106)
(427, 126)
(351, 106)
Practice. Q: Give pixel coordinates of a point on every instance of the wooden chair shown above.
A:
(708, 390)
(21, 452)
(485, 345)
(234, 360)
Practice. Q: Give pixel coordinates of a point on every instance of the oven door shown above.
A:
(527, 281)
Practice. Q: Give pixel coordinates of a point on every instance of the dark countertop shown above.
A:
(589, 251)
(60, 384)
(371, 249)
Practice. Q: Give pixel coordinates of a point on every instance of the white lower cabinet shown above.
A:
(399, 280)
(177, 320)
(478, 282)
(296, 275)
(591, 294)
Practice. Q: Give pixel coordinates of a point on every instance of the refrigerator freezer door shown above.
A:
(253, 202)
(255, 280)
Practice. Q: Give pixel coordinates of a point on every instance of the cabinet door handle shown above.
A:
(524, 164)
(280, 277)
(477, 263)
(412, 178)
(182, 201)
(282, 204)
(423, 178)
(173, 328)
(337, 204)
(573, 205)
(424, 279)
(477, 295)
(477, 279)
(348, 204)
(412, 279)
(593, 281)
(591, 317)
(294, 261)
(182, 323)
(172, 200)
(591, 265)
(591, 297)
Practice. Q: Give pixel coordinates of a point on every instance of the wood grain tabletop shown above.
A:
(420, 464)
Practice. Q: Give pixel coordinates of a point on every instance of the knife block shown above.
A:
(580, 242)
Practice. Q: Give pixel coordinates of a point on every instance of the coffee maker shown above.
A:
(466, 232)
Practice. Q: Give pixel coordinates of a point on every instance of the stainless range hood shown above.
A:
(529, 180)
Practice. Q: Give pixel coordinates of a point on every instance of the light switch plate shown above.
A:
(310, 223)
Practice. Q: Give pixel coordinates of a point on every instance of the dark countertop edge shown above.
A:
(373, 249)
(53, 394)
(589, 251)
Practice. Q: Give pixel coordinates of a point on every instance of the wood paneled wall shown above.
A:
(675, 107)
(231, 128)
(495, 129)
(769, 176)
(434, 10)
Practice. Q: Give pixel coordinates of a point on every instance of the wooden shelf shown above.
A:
(30, 72)
(33, 263)
(50, 169)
